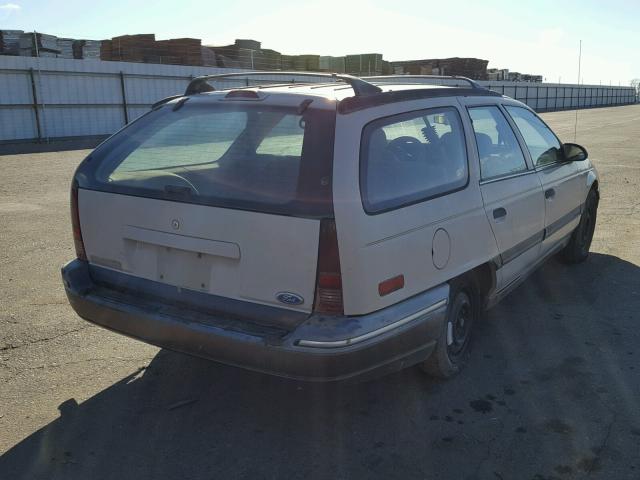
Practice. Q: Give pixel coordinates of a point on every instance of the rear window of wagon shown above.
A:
(243, 156)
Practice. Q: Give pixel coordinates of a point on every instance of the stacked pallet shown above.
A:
(65, 46)
(145, 48)
(131, 48)
(468, 67)
(387, 68)
(179, 51)
(209, 57)
(87, 49)
(106, 50)
(266, 59)
(91, 49)
(237, 55)
(306, 62)
(38, 44)
(286, 62)
(332, 64)
(10, 42)
(246, 44)
(228, 62)
(364, 64)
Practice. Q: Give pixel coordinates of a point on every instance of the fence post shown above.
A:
(35, 103)
(124, 99)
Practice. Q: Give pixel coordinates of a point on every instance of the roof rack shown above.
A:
(360, 86)
(472, 83)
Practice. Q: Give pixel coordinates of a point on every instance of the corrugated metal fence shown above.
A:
(42, 98)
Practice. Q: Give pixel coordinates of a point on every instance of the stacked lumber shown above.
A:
(38, 44)
(106, 50)
(236, 55)
(132, 48)
(332, 64)
(209, 57)
(286, 62)
(228, 62)
(65, 46)
(306, 62)
(364, 64)
(179, 51)
(87, 49)
(267, 59)
(145, 48)
(468, 67)
(10, 42)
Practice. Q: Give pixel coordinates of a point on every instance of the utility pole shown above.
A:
(575, 126)
(35, 43)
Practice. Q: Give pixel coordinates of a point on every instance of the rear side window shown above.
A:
(498, 148)
(239, 156)
(543, 145)
(411, 157)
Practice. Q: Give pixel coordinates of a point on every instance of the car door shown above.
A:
(563, 182)
(511, 191)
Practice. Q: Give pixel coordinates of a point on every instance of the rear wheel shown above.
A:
(577, 250)
(463, 312)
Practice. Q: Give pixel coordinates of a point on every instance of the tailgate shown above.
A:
(231, 253)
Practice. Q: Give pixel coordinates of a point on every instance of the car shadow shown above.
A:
(548, 372)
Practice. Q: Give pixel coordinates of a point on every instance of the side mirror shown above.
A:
(574, 152)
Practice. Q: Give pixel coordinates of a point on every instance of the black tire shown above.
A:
(463, 311)
(577, 250)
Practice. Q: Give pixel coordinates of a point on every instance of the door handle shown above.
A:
(550, 193)
(499, 213)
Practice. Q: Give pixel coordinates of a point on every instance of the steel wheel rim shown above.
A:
(587, 228)
(459, 325)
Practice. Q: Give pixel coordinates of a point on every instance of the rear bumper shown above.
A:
(318, 349)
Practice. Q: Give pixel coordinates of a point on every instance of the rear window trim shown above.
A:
(86, 177)
(362, 161)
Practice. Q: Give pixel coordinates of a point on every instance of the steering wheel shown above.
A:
(405, 147)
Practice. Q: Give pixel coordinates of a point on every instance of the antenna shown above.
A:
(575, 127)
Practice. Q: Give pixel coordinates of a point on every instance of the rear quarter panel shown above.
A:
(376, 247)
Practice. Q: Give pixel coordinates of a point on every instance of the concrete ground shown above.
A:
(552, 390)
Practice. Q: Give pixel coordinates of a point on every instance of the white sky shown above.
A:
(538, 37)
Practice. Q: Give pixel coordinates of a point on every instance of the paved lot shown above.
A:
(552, 390)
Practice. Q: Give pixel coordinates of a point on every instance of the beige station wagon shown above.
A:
(323, 231)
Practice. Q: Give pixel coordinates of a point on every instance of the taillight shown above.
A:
(75, 223)
(329, 280)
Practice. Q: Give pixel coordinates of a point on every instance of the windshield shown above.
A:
(239, 156)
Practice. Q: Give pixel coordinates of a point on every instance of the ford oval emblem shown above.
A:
(289, 298)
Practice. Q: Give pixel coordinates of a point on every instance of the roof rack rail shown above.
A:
(472, 83)
(360, 86)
